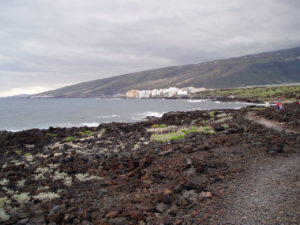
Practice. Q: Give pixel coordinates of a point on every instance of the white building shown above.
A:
(145, 93)
(182, 92)
(192, 90)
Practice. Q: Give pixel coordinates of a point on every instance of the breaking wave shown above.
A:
(109, 116)
(143, 115)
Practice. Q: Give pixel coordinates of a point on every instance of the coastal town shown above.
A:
(163, 93)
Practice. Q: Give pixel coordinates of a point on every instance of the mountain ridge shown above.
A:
(277, 67)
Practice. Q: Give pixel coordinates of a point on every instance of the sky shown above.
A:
(47, 44)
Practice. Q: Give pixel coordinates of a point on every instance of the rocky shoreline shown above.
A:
(178, 169)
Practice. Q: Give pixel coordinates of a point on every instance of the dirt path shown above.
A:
(268, 193)
(268, 123)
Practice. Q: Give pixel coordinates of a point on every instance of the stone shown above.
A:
(193, 181)
(112, 214)
(136, 215)
(191, 196)
(23, 221)
(38, 220)
(205, 195)
(161, 207)
(95, 215)
(52, 223)
(118, 221)
(56, 213)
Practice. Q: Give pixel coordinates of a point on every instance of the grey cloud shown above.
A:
(48, 44)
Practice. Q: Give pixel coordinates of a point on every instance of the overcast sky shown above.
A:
(46, 44)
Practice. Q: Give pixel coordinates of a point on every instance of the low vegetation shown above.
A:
(69, 139)
(46, 196)
(85, 177)
(51, 135)
(181, 133)
(86, 133)
(159, 126)
(270, 93)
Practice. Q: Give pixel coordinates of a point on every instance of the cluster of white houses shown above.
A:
(163, 93)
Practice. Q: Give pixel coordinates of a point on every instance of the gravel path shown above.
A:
(268, 193)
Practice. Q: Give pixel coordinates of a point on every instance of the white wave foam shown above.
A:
(197, 100)
(143, 115)
(90, 124)
(13, 130)
(109, 116)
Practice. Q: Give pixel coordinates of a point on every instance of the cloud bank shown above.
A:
(49, 44)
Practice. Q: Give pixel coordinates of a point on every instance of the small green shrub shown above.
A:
(225, 126)
(209, 132)
(159, 126)
(51, 135)
(177, 137)
(69, 139)
(163, 126)
(86, 133)
(19, 152)
(211, 113)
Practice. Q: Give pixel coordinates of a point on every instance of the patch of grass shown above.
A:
(43, 188)
(53, 166)
(86, 133)
(85, 177)
(59, 176)
(159, 126)
(209, 132)
(21, 183)
(211, 113)
(41, 173)
(69, 139)
(19, 152)
(225, 126)
(4, 182)
(180, 134)
(4, 201)
(28, 154)
(46, 196)
(167, 137)
(3, 215)
(177, 137)
(51, 135)
(17, 163)
(68, 181)
(21, 198)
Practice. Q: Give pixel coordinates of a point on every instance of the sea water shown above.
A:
(22, 114)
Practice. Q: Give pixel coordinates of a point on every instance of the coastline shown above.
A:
(176, 169)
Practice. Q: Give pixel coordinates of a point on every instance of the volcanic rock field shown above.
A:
(201, 167)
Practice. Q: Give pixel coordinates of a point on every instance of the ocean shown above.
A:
(23, 114)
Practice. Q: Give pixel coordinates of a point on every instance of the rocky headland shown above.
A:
(200, 167)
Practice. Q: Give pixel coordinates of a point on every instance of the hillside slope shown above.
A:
(266, 68)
